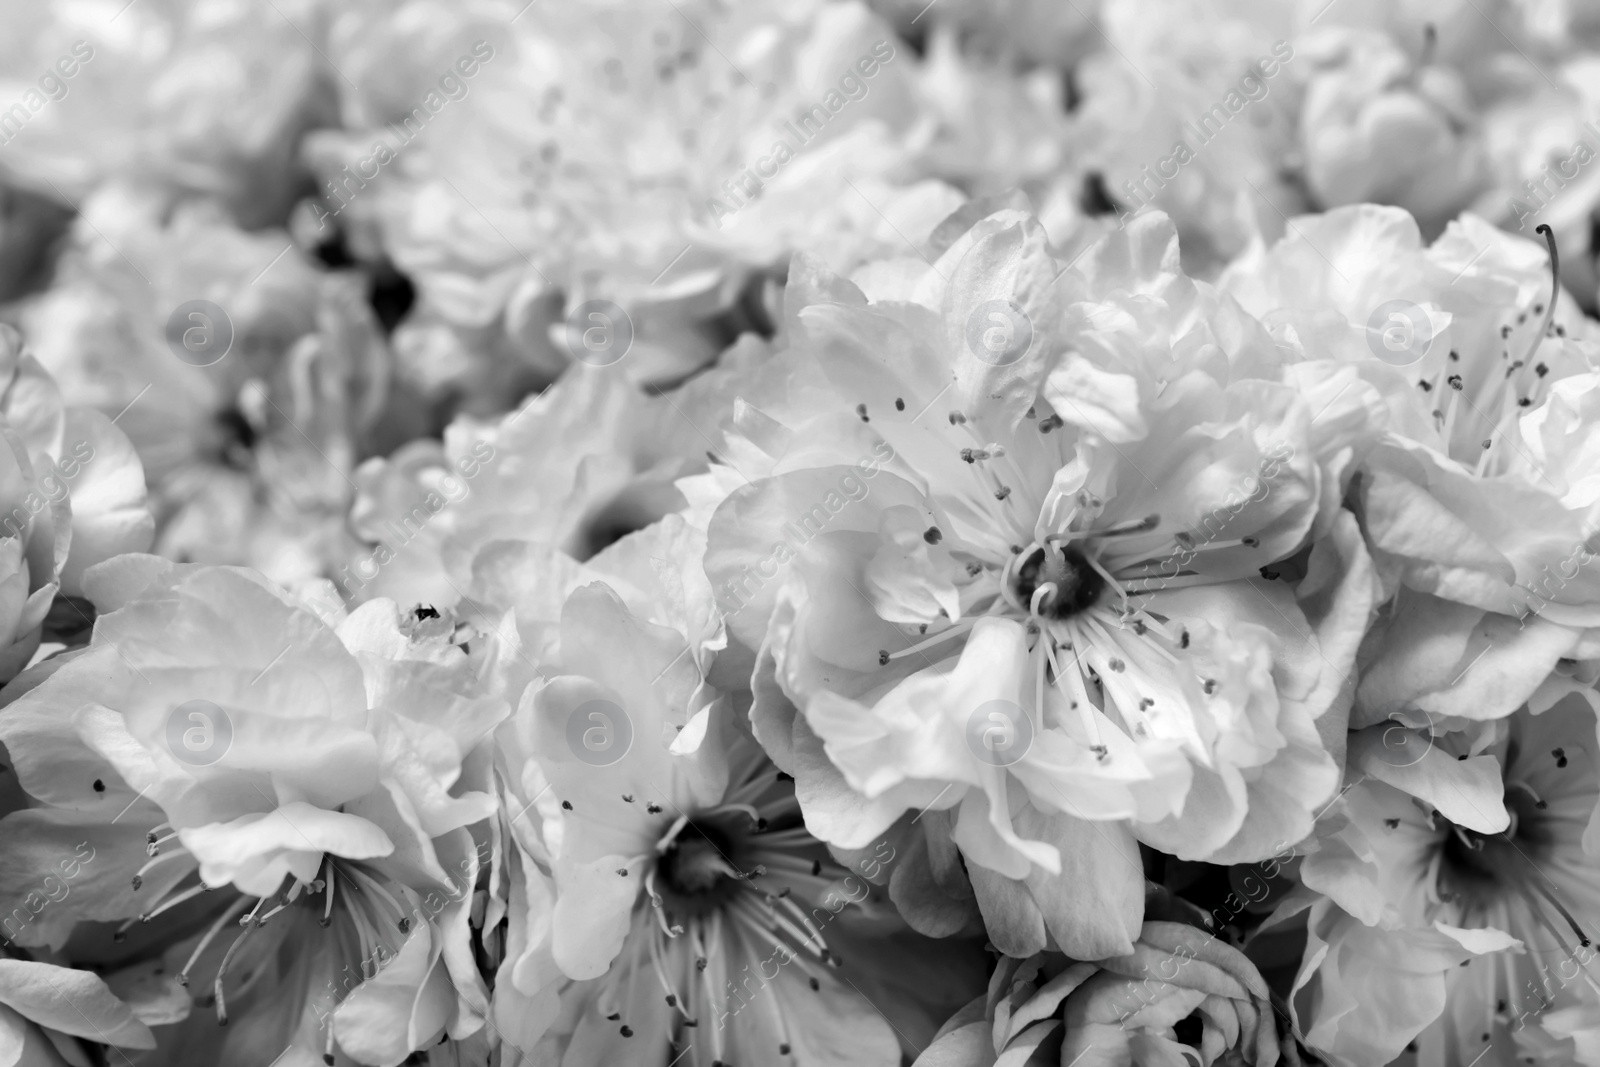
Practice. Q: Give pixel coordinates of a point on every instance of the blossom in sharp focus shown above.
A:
(1042, 597)
(1473, 494)
(1457, 900)
(44, 1008)
(290, 803)
(690, 913)
(1181, 996)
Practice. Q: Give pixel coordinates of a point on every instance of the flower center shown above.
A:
(1477, 870)
(1070, 584)
(695, 873)
(732, 895)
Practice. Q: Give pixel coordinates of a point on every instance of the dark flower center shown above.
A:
(1077, 584)
(697, 873)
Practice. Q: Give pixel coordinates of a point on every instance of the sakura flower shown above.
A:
(691, 914)
(1382, 122)
(248, 445)
(1458, 890)
(1467, 492)
(570, 471)
(73, 494)
(188, 96)
(650, 216)
(236, 763)
(1180, 996)
(1044, 34)
(1078, 548)
(1194, 112)
(43, 1008)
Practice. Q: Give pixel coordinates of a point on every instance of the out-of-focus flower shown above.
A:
(234, 762)
(192, 96)
(1031, 591)
(71, 494)
(1193, 111)
(1181, 996)
(1457, 882)
(997, 130)
(1475, 490)
(250, 417)
(1383, 123)
(1036, 31)
(731, 135)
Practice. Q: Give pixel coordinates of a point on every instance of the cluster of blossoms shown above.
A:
(679, 532)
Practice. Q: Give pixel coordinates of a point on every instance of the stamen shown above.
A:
(747, 809)
(138, 877)
(228, 915)
(1158, 583)
(1538, 801)
(327, 903)
(153, 843)
(661, 976)
(174, 900)
(672, 833)
(953, 630)
(1122, 529)
(1084, 706)
(1555, 290)
(222, 971)
(1536, 883)
(1110, 581)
